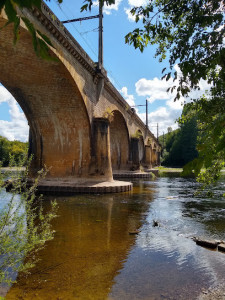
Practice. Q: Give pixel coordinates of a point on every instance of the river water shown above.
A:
(93, 256)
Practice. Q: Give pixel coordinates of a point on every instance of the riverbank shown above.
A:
(169, 170)
(174, 170)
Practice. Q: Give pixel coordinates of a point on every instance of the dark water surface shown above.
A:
(93, 256)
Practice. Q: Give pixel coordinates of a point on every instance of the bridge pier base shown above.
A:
(83, 186)
(100, 178)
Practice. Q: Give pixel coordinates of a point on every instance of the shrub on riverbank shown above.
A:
(24, 226)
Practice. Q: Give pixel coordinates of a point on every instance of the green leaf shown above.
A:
(84, 7)
(45, 38)
(10, 11)
(44, 51)
(32, 30)
(16, 30)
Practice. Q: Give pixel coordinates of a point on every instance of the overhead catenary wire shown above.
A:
(94, 51)
(91, 47)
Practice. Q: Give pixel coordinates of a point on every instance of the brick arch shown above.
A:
(52, 103)
(119, 141)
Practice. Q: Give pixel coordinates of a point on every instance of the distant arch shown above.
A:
(119, 141)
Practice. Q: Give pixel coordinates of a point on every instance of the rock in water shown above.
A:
(212, 244)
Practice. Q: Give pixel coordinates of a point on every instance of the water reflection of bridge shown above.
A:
(91, 243)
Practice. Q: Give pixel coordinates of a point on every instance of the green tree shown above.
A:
(181, 144)
(12, 9)
(4, 151)
(12, 150)
(18, 151)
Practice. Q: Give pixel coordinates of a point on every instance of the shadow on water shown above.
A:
(93, 256)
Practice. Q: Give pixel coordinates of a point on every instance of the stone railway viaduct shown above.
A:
(81, 128)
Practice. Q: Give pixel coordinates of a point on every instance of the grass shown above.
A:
(169, 170)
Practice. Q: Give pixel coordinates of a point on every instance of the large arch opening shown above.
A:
(119, 142)
(13, 123)
(52, 103)
(14, 130)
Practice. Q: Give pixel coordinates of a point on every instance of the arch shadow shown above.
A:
(119, 141)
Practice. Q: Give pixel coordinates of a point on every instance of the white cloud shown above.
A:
(133, 3)
(4, 94)
(176, 105)
(163, 116)
(129, 15)
(156, 90)
(107, 9)
(17, 128)
(137, 2)
(128, 98)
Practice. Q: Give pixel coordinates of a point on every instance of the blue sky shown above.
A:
(136, 75)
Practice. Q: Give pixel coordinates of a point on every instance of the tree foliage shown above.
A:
(88, 4)
(189, 32)
(13, 9)
(181, 144)
(12, 151)
(210, 142)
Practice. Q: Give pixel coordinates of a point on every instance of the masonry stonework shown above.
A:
(80, 125)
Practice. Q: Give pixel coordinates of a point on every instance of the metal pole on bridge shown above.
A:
(100, 36)
(146, 113)
(100, 39)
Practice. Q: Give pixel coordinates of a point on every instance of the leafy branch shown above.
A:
(13, 11)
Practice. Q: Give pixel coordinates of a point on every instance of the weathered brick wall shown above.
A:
(52, 104)
(119, 142)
